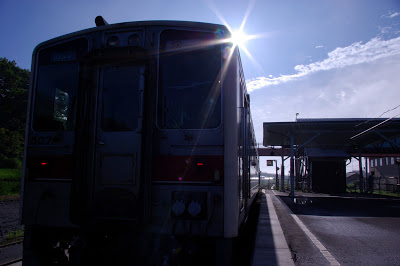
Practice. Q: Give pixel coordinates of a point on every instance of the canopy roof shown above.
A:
(349, 134)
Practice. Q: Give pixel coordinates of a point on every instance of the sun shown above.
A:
(239, 38)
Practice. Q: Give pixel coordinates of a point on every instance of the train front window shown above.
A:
(56, 86)
(55, 93)
(189, 94)
(120, 97)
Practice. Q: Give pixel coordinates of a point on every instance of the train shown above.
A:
(139, 145)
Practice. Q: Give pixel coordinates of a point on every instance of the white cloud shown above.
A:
(319, 46)
(356, 53)
(391, 14)
(341, 95)
(321, 94)
(394, 15)
(363, 90)
(385, 30)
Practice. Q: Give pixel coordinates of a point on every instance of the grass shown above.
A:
(10, 181)
(376, 192)
(12, 235)
(386, 193)
(10, 174)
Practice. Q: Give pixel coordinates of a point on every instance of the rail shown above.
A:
(11, 262)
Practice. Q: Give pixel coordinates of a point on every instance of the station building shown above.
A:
(386, 172)
(319, 150)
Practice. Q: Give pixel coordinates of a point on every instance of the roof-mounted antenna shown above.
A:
(100, 21)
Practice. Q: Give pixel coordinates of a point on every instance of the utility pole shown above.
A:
(271, 163)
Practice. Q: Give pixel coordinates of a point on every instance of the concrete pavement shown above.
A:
(270, 247)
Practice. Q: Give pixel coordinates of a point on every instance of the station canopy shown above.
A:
(366, 137)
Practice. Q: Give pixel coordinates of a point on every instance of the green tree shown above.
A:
(14, 85)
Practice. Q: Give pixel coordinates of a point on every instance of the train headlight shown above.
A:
(113, 41)
(194, 208)
(189, 205)
(178, 207)
(134, 40)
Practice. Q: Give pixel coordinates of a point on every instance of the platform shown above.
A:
(270, 246)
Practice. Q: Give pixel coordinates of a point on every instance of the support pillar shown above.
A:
(276, 170)
(276, 183)
(361, 175)
(309, 181)
(292, 165)
(282, 180)
(283, 171)
(366, 175)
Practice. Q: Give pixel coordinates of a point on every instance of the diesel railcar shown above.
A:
(139, 137)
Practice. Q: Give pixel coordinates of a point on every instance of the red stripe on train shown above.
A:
(199, 168)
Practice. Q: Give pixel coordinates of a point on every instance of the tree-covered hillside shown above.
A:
(14, 85)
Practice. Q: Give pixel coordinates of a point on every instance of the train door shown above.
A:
(118, 142)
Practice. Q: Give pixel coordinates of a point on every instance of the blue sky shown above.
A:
(316, 58)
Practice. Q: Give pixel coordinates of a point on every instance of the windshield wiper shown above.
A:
(186, 136)
(59, 132)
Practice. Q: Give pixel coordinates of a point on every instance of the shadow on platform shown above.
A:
(343, 206)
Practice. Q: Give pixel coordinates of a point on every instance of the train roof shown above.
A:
(171, 23)
(149, 23)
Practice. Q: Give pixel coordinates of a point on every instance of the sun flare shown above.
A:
(239, 38)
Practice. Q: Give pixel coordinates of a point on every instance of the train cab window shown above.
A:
(189, 95)
(56, 86)
(55, 97)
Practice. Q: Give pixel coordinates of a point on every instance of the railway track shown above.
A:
(12, 243)
(12, 261)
